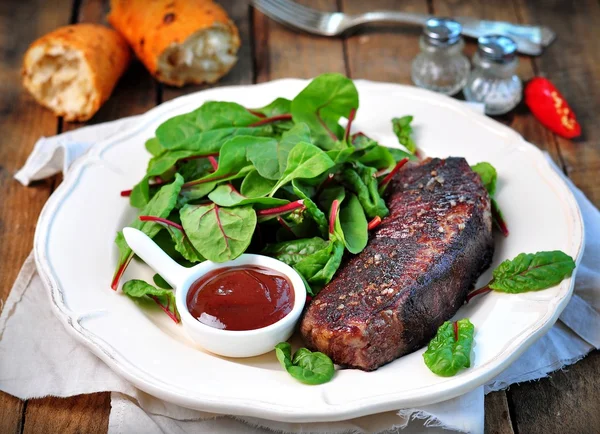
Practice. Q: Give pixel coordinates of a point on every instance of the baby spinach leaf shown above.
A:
(269, 157)
(278, 106)
(299, 133)
(378, 157)
(154, 147)
(322, 103)
(532, 272)
(362, 180)
(233, 162)
(318, 268)
(221, 114)
(304, 161)
(302, 191)
(292, 252)
(353, 225)
(183, 245)
(195, 168)
(306, 366)
(165, 298)
(140, 194)
(195, 192)
(176, 129)
(488, 175)
(226, 195)
(160, 282)
(263, 155)
(399, 154)
(450, 350)
(160, 205)
(210, 142)
(403, 131)
(341, 155)
(210, 116)
(218, 234)
(362, 142)
(255, 185)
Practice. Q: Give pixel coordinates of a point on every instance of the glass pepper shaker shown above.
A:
(441, 66)
(493, 80)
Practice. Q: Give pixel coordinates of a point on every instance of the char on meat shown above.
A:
(415, 272)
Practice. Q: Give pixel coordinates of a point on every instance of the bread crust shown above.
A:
(153, 26)
(102, 49)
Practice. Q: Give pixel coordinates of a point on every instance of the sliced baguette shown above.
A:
(74, 69)
(179, 41)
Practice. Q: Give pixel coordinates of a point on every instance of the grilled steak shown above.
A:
(415, 272)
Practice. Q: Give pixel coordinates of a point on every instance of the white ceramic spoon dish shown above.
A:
(229, 343)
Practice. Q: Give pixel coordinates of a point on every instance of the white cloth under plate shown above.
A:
(38, 358)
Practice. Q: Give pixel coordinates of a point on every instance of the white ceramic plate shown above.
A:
(75, 255)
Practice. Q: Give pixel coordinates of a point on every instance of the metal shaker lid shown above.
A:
(497, 48)
(442, 31)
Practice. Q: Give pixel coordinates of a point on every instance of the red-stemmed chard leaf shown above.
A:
(283, 117)
(384, 183)
(161, 206)
(165, 298)
(529, 272)
(219, 234)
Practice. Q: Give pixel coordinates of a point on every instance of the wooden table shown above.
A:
(566, 402)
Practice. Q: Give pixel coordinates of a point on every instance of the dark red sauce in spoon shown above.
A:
(240, 298)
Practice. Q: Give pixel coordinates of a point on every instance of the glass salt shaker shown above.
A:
(441, 66)
(493, 80)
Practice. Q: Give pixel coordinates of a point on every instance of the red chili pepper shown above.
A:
(550, 108)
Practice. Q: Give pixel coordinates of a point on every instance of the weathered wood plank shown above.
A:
(281, 52)
(80, 414)
(566, 402)
(497, 414)
(573, 65)
(243, 71)
(135, 93)
(11, 414)
(22, 122)
(383, 53)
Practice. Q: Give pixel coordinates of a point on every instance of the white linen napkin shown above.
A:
(38, 358)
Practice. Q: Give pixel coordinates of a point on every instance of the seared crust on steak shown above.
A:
(415, 272)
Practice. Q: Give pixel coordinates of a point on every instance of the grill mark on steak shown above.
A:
(415, 272)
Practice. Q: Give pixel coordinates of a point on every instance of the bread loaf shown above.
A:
(74, 69)
(179, 41)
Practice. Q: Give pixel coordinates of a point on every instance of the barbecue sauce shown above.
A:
(240, 298)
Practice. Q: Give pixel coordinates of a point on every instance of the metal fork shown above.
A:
(530, 39)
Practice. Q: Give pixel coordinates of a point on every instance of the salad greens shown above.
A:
(404, 131)
(305, 366)
(165, 298)
(225, 179)
(450, 350)
(489, 176)
(529, 272)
